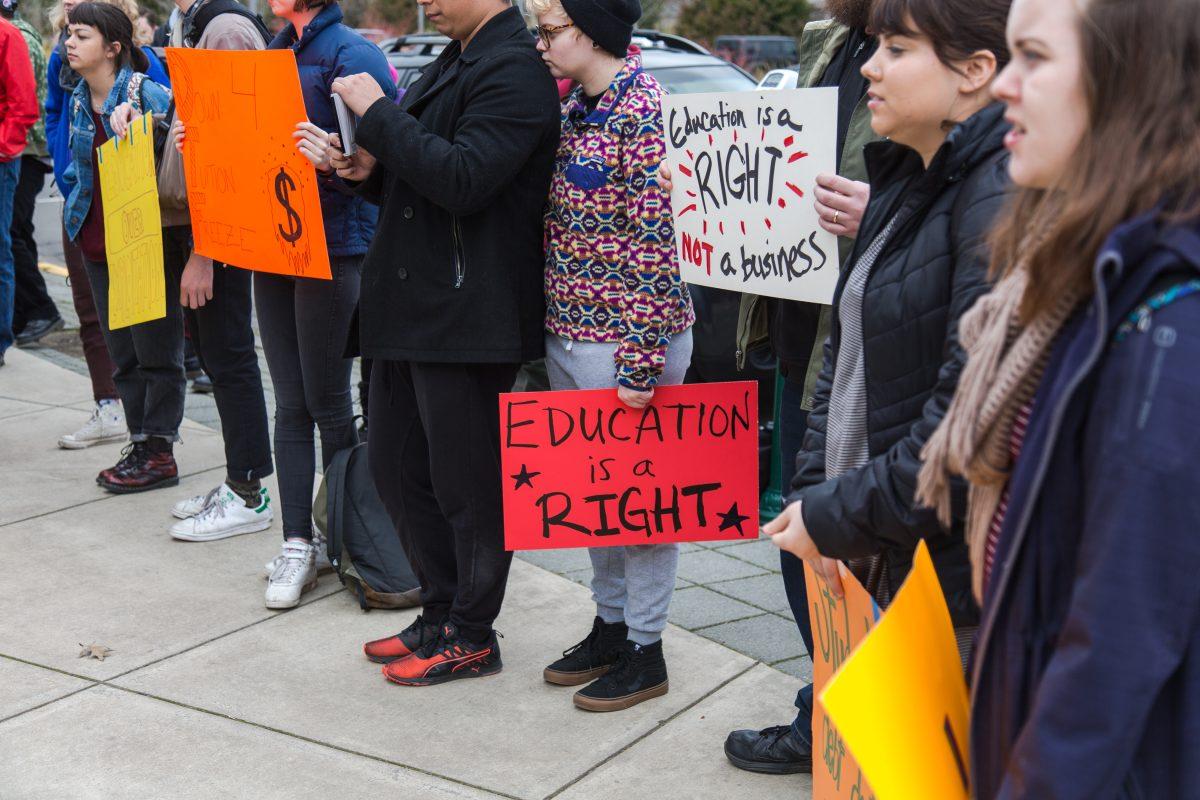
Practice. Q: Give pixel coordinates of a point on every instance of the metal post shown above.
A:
(771, 502)
(420, 19)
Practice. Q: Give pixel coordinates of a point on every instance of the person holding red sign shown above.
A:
(618, 315)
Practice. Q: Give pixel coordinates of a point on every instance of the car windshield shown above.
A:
(714, 78)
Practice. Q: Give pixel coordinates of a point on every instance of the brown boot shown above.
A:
(153, 467)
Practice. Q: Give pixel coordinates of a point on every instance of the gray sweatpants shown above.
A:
(630, 584)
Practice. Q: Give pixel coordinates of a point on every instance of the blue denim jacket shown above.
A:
(329, 50)
(78, 177)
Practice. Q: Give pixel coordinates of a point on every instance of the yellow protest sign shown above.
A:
(900, 700)
(137, 290)
(838, 625)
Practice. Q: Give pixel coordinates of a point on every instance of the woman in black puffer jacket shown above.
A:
(893, 358)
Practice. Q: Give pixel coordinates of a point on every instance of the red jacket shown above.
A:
(18, 92)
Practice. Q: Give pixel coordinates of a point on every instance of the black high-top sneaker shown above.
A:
(639, 674)
(591, 658)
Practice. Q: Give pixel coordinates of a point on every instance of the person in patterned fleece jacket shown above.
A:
(617, 313)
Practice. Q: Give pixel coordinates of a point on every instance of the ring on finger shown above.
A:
(836, 214)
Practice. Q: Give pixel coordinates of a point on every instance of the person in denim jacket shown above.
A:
(149, 356)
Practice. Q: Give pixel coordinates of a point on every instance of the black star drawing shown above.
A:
(524, 478)
(732, 519)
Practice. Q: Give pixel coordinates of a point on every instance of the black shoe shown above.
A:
(403, 644)
(35, 329)
(202, 384)
(449, 657)
(589, 659)
(639, 674)
(772, 751)
(191, 362)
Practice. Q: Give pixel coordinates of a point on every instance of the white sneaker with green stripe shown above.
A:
(224, 515)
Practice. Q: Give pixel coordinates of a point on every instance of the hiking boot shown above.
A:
(186, 509)
(130, 454)
(778, 750)
(106, 425)
(639, 674)
(589, 659)
(35, 329)
(403, 644)
(324, 567)
(447, 657)
(225, 515)
(154, 469)
(295, 575)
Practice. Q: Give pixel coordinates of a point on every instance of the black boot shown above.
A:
(639, 674)
(589, 659)
(774, 751)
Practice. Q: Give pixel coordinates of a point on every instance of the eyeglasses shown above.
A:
(546, 32)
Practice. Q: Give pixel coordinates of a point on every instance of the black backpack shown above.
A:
(361, 539)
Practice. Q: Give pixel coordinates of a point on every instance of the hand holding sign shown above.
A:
(741, 165)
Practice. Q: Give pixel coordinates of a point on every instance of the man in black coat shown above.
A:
(452, 304)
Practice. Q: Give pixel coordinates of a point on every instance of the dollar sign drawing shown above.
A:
(284, 182)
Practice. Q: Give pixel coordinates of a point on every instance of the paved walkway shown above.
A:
(730, 593)
(207, 694)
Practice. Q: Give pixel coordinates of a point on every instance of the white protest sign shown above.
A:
(744, 165)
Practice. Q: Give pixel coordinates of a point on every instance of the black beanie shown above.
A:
(608, 23)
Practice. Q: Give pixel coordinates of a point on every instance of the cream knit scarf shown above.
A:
(1005, 361)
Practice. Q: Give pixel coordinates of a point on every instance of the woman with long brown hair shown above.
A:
(1077, 419)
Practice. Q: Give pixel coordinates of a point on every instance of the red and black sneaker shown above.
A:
(448, 657)
(403, 644)
(130, 455)
(154, 469)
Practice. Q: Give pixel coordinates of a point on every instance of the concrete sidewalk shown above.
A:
(208, 694)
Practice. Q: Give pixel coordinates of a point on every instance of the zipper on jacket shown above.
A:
(460, 256)
(1043, 465)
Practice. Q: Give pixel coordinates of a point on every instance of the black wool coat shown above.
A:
(454, 273)
(932, 270)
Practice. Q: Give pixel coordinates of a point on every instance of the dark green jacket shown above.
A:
(818, 45)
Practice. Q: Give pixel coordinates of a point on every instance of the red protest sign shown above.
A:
(582, 469)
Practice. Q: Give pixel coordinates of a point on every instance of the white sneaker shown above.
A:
(324, 566)
(106, 425)
(295, 575)
(186, 509)
(225, 515)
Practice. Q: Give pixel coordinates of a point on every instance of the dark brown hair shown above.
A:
(305, 5)
(957, 29)
(115, 28)
(1141, 150)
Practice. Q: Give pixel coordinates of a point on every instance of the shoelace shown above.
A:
(130, 453)
(209, 501)
(590, 643)
(215, 505)
(292, 561)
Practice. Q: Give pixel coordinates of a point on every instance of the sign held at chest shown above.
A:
(582, 469)
(743, 167)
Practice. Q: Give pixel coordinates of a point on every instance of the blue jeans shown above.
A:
(793, 422)
(10, 173)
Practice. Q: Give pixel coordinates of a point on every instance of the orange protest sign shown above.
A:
(253, 197)
(838, 625)
(900, 700)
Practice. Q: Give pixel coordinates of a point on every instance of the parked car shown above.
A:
(757, 53)
(781, 79)
(410, 54)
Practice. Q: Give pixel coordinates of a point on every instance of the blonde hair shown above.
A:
(58, 16)
(538, 7)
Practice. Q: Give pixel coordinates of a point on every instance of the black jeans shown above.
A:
(30, 300)
(434, 450)
(793, 422)
(304, 323)
(148, 358)
(222, 335)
